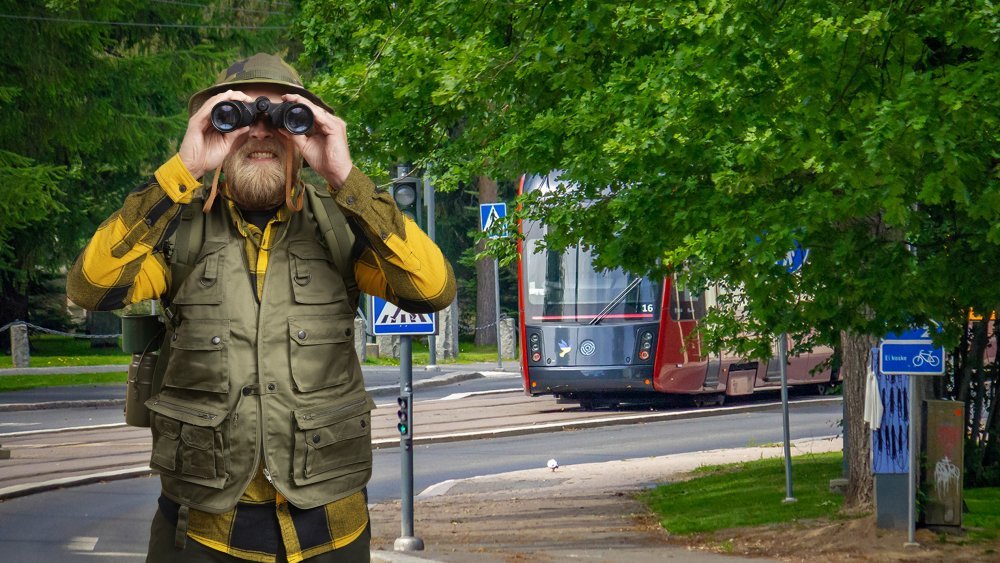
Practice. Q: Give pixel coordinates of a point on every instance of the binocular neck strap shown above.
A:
(215, 190)
(289, 156)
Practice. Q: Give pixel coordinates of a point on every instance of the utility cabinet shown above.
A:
(943, 433)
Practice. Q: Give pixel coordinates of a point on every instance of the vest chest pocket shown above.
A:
(333, 442)
(204, 285)
(198, 356)
(188, 442)
(322, 350)
(314, 278)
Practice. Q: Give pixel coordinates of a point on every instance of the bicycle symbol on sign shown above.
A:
(926, 356)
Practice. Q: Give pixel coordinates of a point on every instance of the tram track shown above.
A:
(42, 459)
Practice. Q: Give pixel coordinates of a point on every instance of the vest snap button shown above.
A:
(216, 340)
(363, 424)
(271, 387)
(174, 337)
(302, 334)
(247, 390)
(316, 438)
(347, 332)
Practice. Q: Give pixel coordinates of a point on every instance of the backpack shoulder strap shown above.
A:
(187, 242)
(336, 233)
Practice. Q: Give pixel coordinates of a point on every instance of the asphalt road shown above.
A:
(109, 521)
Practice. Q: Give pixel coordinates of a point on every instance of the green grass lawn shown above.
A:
(729, 496)
(57, 351)
(750, 494)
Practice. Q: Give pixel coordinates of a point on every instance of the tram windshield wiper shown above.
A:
(614, 302)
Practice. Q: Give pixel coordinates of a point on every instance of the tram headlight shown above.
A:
(645, 345)
(535, 347)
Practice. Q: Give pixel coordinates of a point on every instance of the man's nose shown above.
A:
(261, 128)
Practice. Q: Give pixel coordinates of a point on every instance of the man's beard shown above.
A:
(257, 184)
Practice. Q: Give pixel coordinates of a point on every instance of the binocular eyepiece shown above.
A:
(231, 115)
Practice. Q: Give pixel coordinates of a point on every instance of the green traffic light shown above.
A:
(402, 428)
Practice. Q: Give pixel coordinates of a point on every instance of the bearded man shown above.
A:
(260, 421)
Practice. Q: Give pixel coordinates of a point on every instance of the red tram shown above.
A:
(607, 337)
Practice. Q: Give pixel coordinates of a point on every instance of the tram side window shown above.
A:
(686, 305)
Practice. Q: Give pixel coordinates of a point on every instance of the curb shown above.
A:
(379, 391)
(398, 557)
(114, 475)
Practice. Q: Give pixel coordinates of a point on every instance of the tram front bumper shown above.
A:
(598, 379)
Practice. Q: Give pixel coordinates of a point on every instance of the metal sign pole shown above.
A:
(431, 225)
(783, 358)
(407, 541)
(496, 297)
(911, 509)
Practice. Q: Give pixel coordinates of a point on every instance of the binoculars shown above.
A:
(231, 115)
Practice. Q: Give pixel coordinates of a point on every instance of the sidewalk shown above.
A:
(582, 512)
(381, 381)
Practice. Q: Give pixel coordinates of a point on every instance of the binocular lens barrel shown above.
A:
(230, 115)
(297, 119)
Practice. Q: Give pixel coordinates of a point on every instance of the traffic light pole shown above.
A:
(407, 541)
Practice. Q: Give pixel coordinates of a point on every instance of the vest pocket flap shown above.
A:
(353, 427)
(211, 247)
(198, 437)
(308, 331)
(308, 251)
(194, 414)
(197, 334)
(309, 419)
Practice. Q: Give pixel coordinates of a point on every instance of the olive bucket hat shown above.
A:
(261, 68)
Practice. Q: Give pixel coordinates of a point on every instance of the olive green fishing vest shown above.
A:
(277, 383)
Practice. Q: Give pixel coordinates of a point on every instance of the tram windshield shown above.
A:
(564, 286)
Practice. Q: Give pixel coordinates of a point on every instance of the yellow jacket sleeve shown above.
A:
(123, 263)
(399, 263)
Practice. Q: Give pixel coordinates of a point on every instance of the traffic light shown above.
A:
(404, 416)
(407, 193)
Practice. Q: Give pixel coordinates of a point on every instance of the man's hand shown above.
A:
(325, 148)
(204, 148)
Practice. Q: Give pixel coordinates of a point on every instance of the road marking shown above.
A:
(82, 543)
(109, 554)
(63, 429)
(456, 396)
(19, 423)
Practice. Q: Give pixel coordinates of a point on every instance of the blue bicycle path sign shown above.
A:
(911, 352)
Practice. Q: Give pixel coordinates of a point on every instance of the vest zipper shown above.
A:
(327, 412)
(200, 414)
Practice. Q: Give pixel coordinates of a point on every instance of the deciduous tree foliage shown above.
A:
(708, 137)
(94, 98)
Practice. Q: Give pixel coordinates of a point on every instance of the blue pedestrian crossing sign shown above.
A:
(390, 319)
(490, 213)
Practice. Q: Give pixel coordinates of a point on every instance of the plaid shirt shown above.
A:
(124, 264)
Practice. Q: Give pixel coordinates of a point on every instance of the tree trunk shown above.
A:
(485, 298)
(856, 351)
(13, 307)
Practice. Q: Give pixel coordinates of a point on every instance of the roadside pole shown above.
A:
(496, 300)
(388, 319)
(793, 261)
(783, 357)
(429, 201)
(911, 508)
(911, 353)
(489, 213)
(407, 541)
